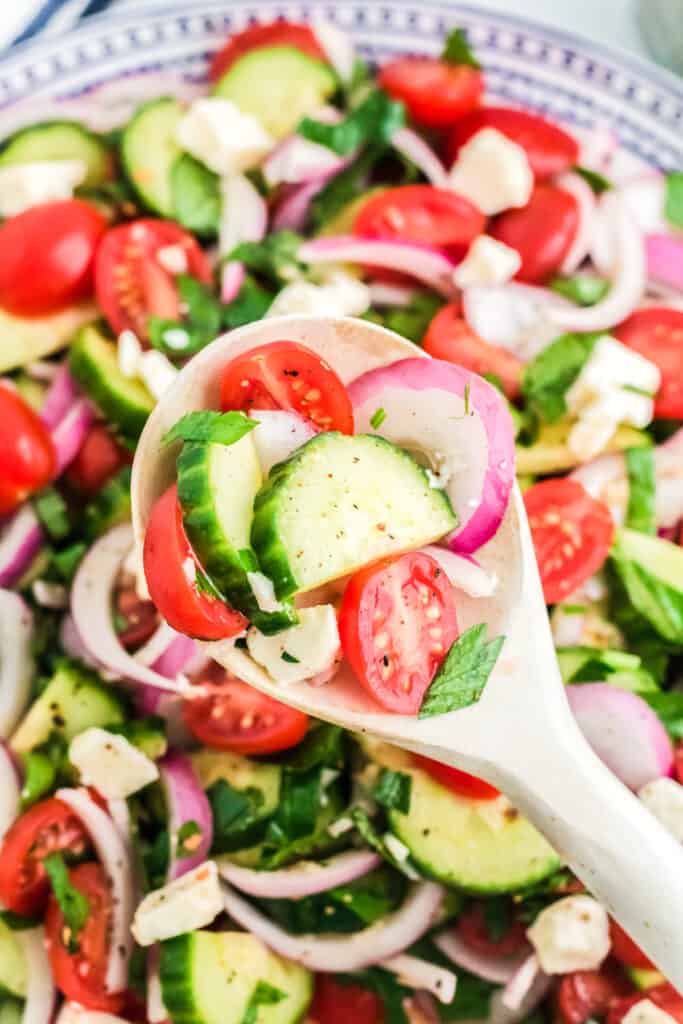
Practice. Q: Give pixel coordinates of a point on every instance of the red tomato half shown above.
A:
(572, 534)
(435, 93)
(170, 564)
(285, 375)
(422, 214)
(586, 995)
(48, 827)
(275, 33)
(449, 337)
(234, 716)
(549, 149)
(625, 949)
(664, 996)
(130, 282)
(47, 256)
(334, 1003)
(458, 782)
(472, 928)
(80, 976)
(100, 457)
(27, 454)
(541, 232)
(657, 334)
(397, 622)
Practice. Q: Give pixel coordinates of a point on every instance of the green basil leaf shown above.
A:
(343, 188)
(53, 513)
(73, 904)
(251, 304)
(392, 790)
(640, 466)
(263, 995)
(276, 257)
(374, 120)
(463, 674)
(548, 377)
(668, 706)
(412, 320)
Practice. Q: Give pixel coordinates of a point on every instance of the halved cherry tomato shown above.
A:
(275, 33)
(130, 282)
(572, 534)
(548, 147)
(141, 618)
(170, 565)
(541, 232)
(285, 375)
(47, 256)
(657, 333)
(585, 995)
(457, 781)
(234, 716)
(664, 996)
(473, 929)
(100, 457)
(334, 1003)
(625, 949)
(435, 93)
(422, 214)
(397, 622)
(48, 827)
(80, 976)
(449, 337)
(27, 454)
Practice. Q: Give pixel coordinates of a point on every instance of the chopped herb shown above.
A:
(53, 513)
(208, 427)
(377, 419)
(640, 466)
(66, 561)
(458, 51)
(374, 120)
(40, 774)
(251, 304)
(412, 320)
(376, 840)
(497, 918)
(392, 790)
(201, 323)
(73, 904)
(189, 838)
(548, 377)
(463, 674)
(205, 585)
(263, 995)
(343, 187)
(195, 196)
(289, 658)
(235, 812)
(19, 922)
(583, 289)
(673, 201)
(598, 182)
(275, 258)
(466, 397)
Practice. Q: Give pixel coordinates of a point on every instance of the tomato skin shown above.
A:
(389, 633)
(664, 996)
(457, 781)
(80, 976)
(436, 94)
(234, 716)
(549, 149)
(275, 33)
(47, 256)
(572, 534)
(472, 929)
(286, 375)
(584, 995)
(48, 827)
(165, 553)
(657, 334)
(421, 214)
(334, 1002)
(100, 458)
(542, 232)
(625, 949)
(678, 760)
(27, 454)
(449, 337)
(142, 618)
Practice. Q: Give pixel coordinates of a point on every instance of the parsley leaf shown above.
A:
(640, 465)
(598, 182)
(673, 202)
(458, 51)
(548, 377)
(53, 513)
(73, 904)
(583, 289)
(201, 324)
(195, 196)
(463, 674)
(251, 304)
(276, 257)
(208, 427)
(343, 188)
(263, 995)
(367, 830)
(289, 658)
(236, 816)
(374, 120)
(392, 790)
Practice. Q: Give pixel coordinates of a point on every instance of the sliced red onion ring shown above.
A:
(302, 879)
(16, 659)
(664, 255)
(493, 968)
(463, 571)
(232, 279)
(91, 611)
(514, 316)
(69, 434)
(245, 215)
(499, 1013)
(156, 1011)
(114, 857)
(9, 790)
(385, 294)
(292, 210)
(414, 147)
(41, 993)
(61, 395)
(73, 644)
(578, 187)
(21, 538)
(521, 983)
(296, 160)
(424, 405)
(160, 640)
(185, 801)
(176, 657)
(623, 731)
(422, 262)
(385, 938)
(420, 974)
(278, 434)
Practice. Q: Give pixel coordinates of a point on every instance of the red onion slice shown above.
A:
(414, 147)
(185, 801)
(664, 254)
(114, 857)
(297, 160)
(514, 316)
(9, 790)
(496, 969)
(420, 974)
(384, 294)
(387, 937)
(422, 262)
(16, 659)
(69, 434)
(521, 983)
(463, 571)
(61, 395)
(40, 991)
(21, 538)
(292, 209)
(302, 879)
(278, 435)
(232, 279)
(578, 187)
(160, 640)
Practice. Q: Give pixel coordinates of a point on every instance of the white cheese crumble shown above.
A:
(340, 295)
(190, 902)
(301, 651)
(111, 763)
(264, 592)
(42, 181)
(571, 935)
(173, 259)
(157, 371)
(487, 262)
(129, 353)
(221, 136)
(493, 172)
(664, 798)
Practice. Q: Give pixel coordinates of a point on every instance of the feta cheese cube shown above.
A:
(129, 352)
(664, 798)
(157, 371)
(302, 651)
(646, 1012)
(25, 185)
(111, 763)
(220, 135)
(487, 262)
(493, 172)
(190, 902)
(571, 935)
(340, 295)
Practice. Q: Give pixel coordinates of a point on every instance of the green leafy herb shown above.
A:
(189, 838)
(463, 674)
(497, 918)
(392, 790)
(668, 706)
(673, 201)
(40, 775)
(412, 320)
(377, 419)
(472, 999)
(156, 856)
(251, 304)
(458, 51)
(275, 258)
(548, 377)
(583, 289)
(323, 747)
(289, 658)
(201, 324)
(236, 816)
(344, 187)
(196, 196)
(73, 904)
(109, 507)
(298, 807)
(53, 513)
(374, 120)
(19, 922)
(208, 427)
(655, 600)
(376, 840)
(263, 995)
(641, 637)
(640, 465)
(466, 399)
(598, 182)
(66, 561)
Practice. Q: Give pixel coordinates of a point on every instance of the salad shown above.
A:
(175, 845)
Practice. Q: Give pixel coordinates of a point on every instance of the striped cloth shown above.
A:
(22, 19)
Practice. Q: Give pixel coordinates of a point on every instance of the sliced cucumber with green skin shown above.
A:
(253, 778)
(125, 403)
(338, 503)
(149, 150)
(279, 85)
(109, 507)
(25, 339)
(11, 1011)
(73, 700)
(217, 485)
(12, 963)
(59, 140)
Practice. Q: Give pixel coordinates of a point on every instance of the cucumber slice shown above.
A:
(338, 503)
(109, 507)
(124, 402)
(241, 773)
(12, 963)
(59, 140)
(27, 339)
(11, 1011)
(72, 701)
(462, 842)
(279, 85)
(149, 150)
(210, 978)
(217, 485)
(550, 452)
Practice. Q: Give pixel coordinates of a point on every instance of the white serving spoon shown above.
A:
(521, 736)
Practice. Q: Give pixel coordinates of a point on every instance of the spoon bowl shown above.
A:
(521, 736)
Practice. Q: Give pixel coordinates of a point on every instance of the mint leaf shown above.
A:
(72, 902)
(673, 200)
(583, 289)
(263, 995)
(251, 304)
(598, 182)
(195, 196)
(207, 427)
(375, 120)
(548, 377)
(463, 674)
(392, 790)
(377, 842)
(640, 466)
(458, 51)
